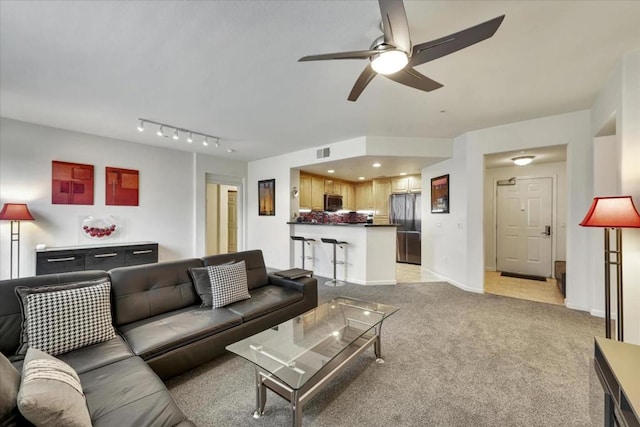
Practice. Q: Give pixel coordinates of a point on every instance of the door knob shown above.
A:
(547, 230)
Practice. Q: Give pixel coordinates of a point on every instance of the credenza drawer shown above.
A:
(146, 254)
(104, 258)
(59, 262)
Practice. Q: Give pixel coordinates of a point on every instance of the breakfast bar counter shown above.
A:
(369, 256)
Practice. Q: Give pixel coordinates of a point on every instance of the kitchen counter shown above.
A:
(369, 256)
(344, 224)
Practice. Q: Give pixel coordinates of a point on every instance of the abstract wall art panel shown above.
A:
(71, 183)
(121, 187)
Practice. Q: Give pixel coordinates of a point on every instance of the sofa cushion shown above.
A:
(159, 334)
(228, 283)
(202, 283)
(65, 318)
(94, 356)
(9, 385)
(144, 291)
(265, 300)
(10, 311)
(51, 393)
(129, 394)
(256, 270)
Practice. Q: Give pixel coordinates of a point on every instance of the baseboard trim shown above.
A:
(455, 283)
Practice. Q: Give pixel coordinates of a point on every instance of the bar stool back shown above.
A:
(335, 282)
(304, 241)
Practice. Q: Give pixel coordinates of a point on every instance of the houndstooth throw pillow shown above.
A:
(62, 321)
(228, 283)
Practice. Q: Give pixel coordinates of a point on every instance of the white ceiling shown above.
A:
(229, 68)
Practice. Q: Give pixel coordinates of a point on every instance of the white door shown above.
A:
(523, 235)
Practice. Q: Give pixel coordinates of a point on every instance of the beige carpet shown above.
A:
(452, 359)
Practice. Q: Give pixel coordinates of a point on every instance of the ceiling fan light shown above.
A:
(389, 62)
(522, 160)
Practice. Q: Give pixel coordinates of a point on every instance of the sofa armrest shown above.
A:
(307, 285)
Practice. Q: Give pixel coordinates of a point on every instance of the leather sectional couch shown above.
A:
(162, 331)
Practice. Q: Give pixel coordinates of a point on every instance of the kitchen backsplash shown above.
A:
(333, 217)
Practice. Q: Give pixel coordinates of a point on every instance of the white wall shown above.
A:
(457, 251)
(620, 97)
(555, 170)
(167, 203)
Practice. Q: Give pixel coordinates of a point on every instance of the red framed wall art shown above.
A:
(121, 187)
(71, 183)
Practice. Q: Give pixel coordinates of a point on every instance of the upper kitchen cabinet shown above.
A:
(332, 186)
(364, 200)
(348, 191)
(305, 191)
(317, 193)
(406, 184)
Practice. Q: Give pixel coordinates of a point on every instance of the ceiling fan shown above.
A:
(393, 56)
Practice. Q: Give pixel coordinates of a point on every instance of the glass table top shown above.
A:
(298, 348)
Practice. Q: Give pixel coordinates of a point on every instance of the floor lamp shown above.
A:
(612, 212)
(15, 212)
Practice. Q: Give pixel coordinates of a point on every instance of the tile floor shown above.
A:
(531, 290)
(494, 283)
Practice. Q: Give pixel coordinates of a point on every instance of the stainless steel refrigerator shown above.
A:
(404, 210)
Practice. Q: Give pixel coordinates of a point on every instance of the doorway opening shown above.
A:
(223, 216)
(525, 224)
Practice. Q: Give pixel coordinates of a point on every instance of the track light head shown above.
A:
(175, 135)
(141, 126)
(217, 142)
(190, 138)
(205, 141)
(160, 131)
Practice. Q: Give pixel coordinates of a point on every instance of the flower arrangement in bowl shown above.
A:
(99, 228)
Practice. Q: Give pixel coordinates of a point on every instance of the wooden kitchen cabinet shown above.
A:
(305, 192)
(415, 184)
(364, 201)
(332, 186)
(381, 192)
(406, 184)
(348, 190)
(317, 193)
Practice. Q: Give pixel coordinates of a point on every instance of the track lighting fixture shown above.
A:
(177, 130)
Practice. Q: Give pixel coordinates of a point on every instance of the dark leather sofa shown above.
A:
(162, 332)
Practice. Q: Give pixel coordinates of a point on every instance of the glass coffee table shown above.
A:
(295, 358)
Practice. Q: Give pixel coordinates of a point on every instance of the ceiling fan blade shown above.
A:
(394, 24)
(412, 78)
(365, 77)
(438, 48)
(357, 54)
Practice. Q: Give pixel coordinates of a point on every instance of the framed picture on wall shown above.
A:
(440, 194)
(267, 197)
(71, 183)
(121, 187)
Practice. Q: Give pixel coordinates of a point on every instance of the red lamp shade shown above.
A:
(16, 212)
(613, 212)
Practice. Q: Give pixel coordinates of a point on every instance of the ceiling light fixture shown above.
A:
(376, 165)
(389, 61)
(523, 160)
(230, 150)
(331, 171)
(403, 173)
(177, 130)
(361, 178)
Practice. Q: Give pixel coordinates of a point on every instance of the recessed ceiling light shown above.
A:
(376, 165)
(403, 173)
(522, 160)
(361, 178)
(331, 171)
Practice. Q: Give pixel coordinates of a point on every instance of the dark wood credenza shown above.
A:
(98, 257)
(618, 367)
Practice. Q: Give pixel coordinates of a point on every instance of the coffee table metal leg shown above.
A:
(377, 345)
(296, 409)
(261, 395)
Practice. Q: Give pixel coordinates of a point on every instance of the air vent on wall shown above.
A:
(322, 153)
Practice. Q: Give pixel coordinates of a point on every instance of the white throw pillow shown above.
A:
(228, 283)
(50, 392)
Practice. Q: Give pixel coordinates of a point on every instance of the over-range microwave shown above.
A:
(332, 202)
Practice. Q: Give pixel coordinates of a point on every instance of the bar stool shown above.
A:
(303, 240)
(334, 282)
